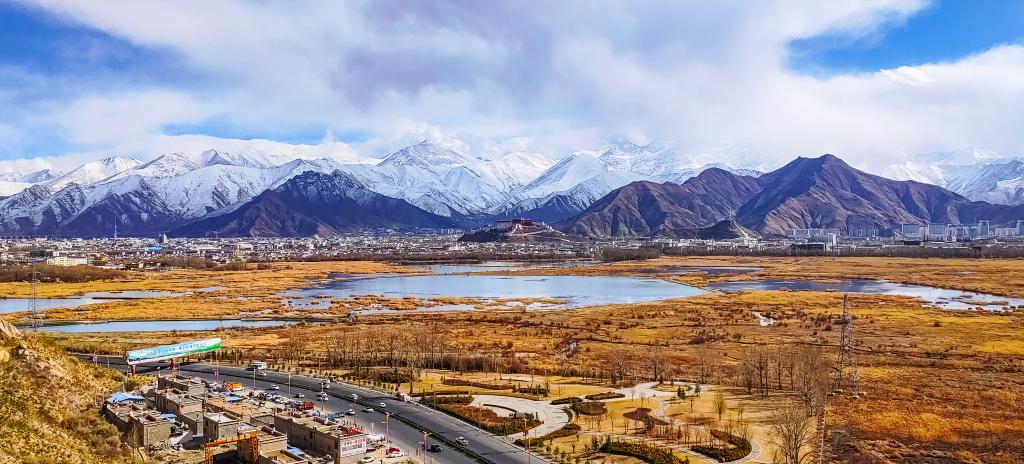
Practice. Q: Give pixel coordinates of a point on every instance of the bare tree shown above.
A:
(704, 363)
(810, 378)
(658, 363)
(720, 403)
(791, 432)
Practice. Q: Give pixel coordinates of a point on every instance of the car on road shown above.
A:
(350, 412)
(462, 441)
(382, 404)
(394, 453)
(366, 459)
(273, 387)
(435, 448)
(367, 409)
(300, 395)
(323, 397)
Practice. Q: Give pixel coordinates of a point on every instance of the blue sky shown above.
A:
(779, 79)
(946, 30)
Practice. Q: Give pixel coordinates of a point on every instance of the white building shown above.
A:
(66, 260)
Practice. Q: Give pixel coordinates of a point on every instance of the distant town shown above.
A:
(144, 252)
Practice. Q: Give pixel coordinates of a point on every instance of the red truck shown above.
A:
(304, 405)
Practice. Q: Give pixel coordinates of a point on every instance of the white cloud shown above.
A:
(545, 77)
(110, 120)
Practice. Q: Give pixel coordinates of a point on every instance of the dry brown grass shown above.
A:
(941, 382)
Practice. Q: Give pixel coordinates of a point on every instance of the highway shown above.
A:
(405, 426)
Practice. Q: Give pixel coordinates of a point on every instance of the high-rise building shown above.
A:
(984, 229)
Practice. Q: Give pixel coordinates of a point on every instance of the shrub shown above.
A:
(483, 385)
(537, 390)
(736, 448)
(569, 400)
(624, 254)
(487, 419)
(589, 408)
(48, 273)
(647, 453)
(393, 377)
(605, 396)
(432, 400)
(567, 430)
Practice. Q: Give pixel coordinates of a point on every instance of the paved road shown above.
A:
(406, 425)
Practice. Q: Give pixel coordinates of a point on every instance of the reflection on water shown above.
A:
(158, 326)
(939, 297)
(14, 305)
(575, 291)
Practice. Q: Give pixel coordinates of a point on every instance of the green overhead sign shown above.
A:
(159, 353)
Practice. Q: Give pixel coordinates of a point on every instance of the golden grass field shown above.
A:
(942, 386)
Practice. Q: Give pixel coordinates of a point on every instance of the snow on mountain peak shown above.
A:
(94, 171)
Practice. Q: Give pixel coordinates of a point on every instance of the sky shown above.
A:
(869, 80)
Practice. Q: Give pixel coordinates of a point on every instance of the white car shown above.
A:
(382, 404)
(366, 459)
(462, 441)
(273, 387)
(323, 397)
(394, 453)
(300, 395)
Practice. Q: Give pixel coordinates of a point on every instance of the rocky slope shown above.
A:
(315, 203)
(48, 405)
(822, 192)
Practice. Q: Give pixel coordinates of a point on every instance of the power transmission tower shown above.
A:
(33, 303)
(847, 376)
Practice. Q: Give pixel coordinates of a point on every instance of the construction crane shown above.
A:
(252, 437)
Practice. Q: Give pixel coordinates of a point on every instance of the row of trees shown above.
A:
(47, 273)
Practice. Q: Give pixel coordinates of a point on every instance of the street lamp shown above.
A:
(387, 427)
(289, 384)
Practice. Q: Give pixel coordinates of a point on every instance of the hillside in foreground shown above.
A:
(49, 405)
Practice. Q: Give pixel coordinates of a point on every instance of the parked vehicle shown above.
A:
(304, 405)
(233, 386)
(366, 459)
(394, 453)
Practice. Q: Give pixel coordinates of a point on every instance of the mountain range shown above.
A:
(627, 190)
(822, 192)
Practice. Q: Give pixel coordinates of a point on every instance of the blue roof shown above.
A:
(233, 398)
(296, 451)
(168, 416)
(124, 397)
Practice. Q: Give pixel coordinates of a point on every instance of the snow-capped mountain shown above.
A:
(92, 172)
(443, 178)
(8, 188)
(576, 181)
(978, 174)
